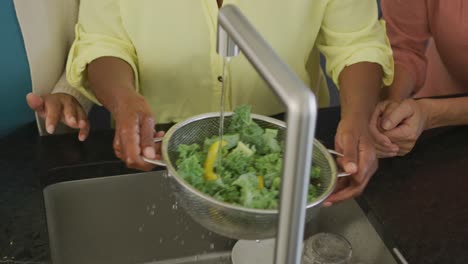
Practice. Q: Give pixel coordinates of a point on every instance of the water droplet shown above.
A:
(147, 208)
(154, 206)
(160, 240)
(182, 242)
(212, 246)
(11, 243)
(152, 212)
(140, 229)
(258, 241)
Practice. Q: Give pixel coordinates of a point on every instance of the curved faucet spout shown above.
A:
(236, 33)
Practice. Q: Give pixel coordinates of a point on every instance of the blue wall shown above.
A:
(15, 80)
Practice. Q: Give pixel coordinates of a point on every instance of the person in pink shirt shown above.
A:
(429, 39)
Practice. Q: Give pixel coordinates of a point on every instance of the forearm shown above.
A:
(112, 81)
(403, 85)
(360, 86)
(445, 112)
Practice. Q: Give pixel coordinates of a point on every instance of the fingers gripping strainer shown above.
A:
(226, 219)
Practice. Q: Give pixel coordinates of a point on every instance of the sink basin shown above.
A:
(134, 218)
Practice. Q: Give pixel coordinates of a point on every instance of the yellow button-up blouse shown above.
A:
(171, 46)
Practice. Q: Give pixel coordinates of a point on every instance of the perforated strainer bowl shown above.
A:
(227, 219)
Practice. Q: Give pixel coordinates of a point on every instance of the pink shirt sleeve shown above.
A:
(408, 32)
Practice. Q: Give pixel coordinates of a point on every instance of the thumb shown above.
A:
(375, 125)
(391, 118)
(349, 145)
(35, 102)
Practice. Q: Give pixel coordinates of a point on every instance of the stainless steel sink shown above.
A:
(135, 219)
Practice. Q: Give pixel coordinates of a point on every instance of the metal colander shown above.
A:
(227, 219)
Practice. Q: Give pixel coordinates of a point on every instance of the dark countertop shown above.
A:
(418, 201)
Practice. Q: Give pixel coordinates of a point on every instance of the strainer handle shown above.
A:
(156, 162)
(340, 174)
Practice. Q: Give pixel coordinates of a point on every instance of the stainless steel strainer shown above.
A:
(227, 219)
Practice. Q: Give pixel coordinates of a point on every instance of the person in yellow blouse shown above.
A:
(157, 60)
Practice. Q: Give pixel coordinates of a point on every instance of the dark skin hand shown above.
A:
(112, 81)
(60, 107)
(360, 88)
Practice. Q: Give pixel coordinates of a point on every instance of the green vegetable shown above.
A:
(315, 172)
(269, 166)
(251, 196)
(239, 160)
(191, 170)
(270, 144)
(250, 168)
(249, 131)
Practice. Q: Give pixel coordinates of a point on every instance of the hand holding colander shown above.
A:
(227, 219)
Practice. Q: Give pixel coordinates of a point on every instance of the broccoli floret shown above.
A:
(276, 183)
(212, 187)
(269, 166)
(185, 151)
(248, 184)
(265, 199)
(268, 163)
(191, 170)
(244, 149)
(249, 131)
(252, 134)
(315, 172)
(239, 160)
(251, 196)
(270, 143)
(230, 194)
(240, 119)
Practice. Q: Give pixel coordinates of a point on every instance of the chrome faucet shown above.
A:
(236, 33)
